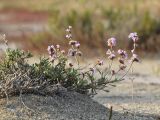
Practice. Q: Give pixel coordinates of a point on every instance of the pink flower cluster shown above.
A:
(75, 46)
(123, 54)
(133, 36)
(74, 43)
(111, 42)
(74, 51)
(110, 52)
(69, 34)
(54, 52)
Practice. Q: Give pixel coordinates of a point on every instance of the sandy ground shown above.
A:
(62, 106)
(70, 106)
(143, 99)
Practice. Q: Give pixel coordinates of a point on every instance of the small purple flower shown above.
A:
(111, 42)
(58, 47)
(77, 45)
(120, 51)
(72, 42)
(72, 52)
(112, 56)
(51, 50)
(121, 61)
(69, 36)
(123, 53)
(70, 27)
(135, 55)
(133, 36)
(132, 51)
(135, 58)
(122, 67)
(100, 62)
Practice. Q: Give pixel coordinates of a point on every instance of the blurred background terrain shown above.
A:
(34, 24)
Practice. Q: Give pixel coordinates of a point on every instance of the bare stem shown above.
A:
(126, 71)
(77, 60)
(132, 89)
(6, 97)
(109, 67)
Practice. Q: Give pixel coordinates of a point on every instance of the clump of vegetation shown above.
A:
(62, 70)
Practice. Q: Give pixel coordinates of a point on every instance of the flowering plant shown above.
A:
(62, 69)
(95, 77)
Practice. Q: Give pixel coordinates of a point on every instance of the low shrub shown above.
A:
(62, 70)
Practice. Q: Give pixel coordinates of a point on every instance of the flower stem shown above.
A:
(126, 71)
(132, 89)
